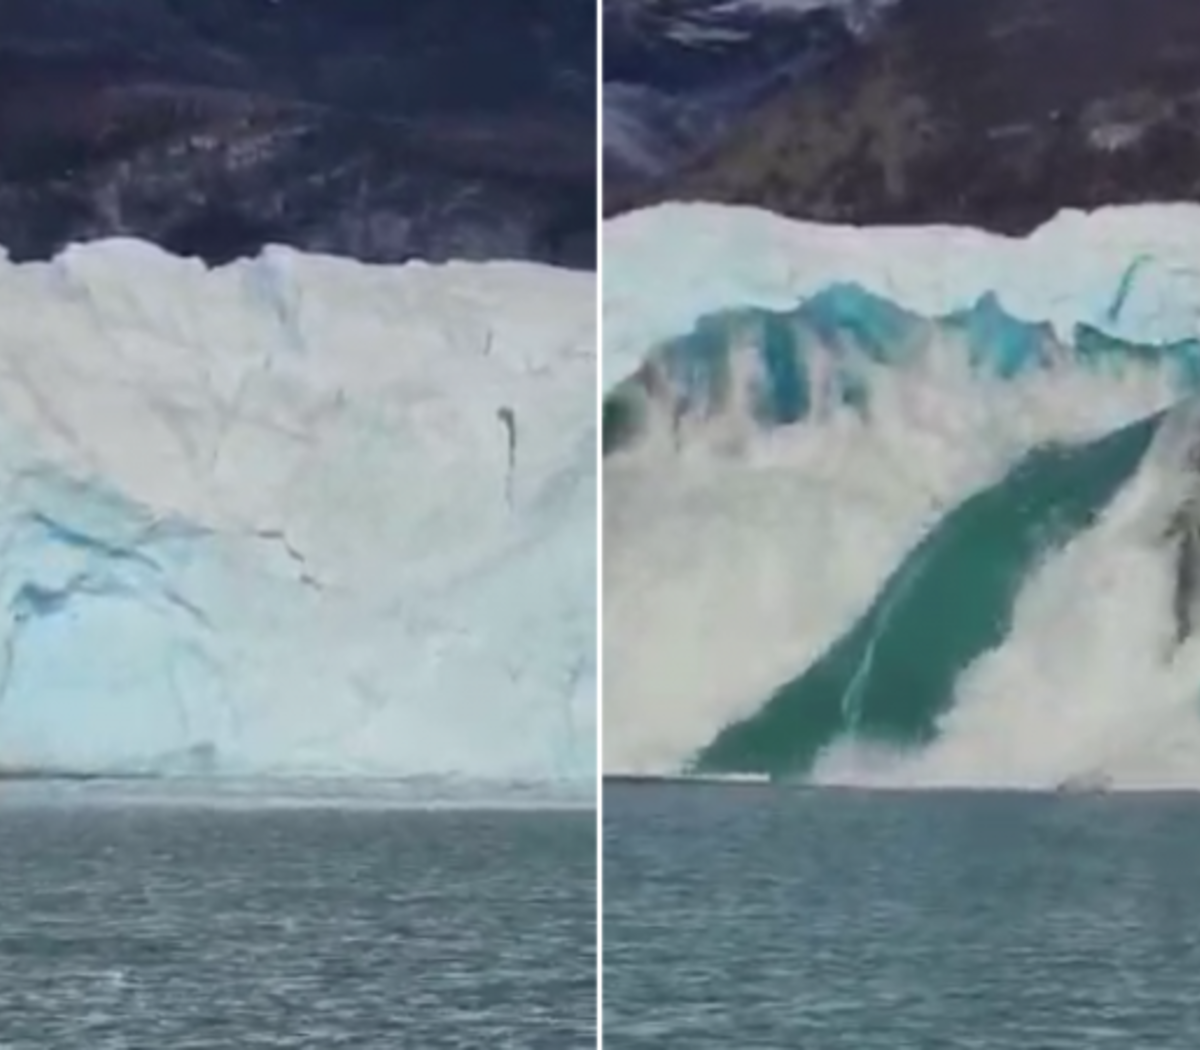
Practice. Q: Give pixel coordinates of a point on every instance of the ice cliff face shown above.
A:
(296, 514)
(793, 407)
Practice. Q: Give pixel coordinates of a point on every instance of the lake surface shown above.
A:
(183, 926)
(746, 917)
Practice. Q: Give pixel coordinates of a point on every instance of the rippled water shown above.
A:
(739, 917)
(182, 926)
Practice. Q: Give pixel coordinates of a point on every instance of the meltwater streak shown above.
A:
(892, 675)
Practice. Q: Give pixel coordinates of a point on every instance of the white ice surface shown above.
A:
(266, 509)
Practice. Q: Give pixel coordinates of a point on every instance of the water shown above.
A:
(184, 926)
(747, 917)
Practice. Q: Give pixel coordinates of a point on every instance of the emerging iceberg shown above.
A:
(296, 515)
(795, 414)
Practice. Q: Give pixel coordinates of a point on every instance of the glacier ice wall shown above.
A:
(1128, 271)
(296, 515)
(736, 552)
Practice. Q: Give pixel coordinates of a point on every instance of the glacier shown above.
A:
(1129, 271)
(296, 515)
(792, 409)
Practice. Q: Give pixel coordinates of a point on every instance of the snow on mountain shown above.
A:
(296, 515)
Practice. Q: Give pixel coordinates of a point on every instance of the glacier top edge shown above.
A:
(1132, 271)
(136, 248)
(325, 310)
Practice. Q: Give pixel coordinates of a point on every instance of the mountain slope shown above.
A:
(994, 115)
(679, 74)
(383, 132)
